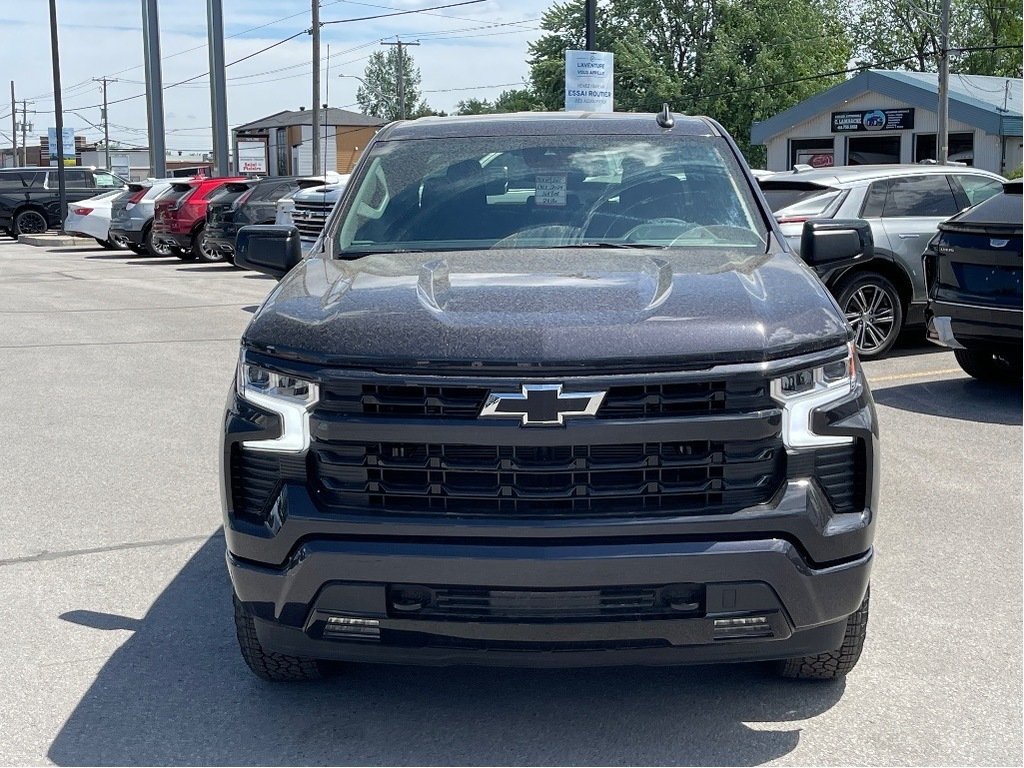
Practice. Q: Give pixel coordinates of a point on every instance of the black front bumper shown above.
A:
(803, 608)
(967, 326)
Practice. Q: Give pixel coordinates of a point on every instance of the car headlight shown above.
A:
(801, 392)
(288, 396)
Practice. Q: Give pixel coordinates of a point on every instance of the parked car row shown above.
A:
(189, 218)
(904, 205)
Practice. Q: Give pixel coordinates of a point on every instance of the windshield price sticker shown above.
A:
(550, 189)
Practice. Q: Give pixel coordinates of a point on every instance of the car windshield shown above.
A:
(549, 191)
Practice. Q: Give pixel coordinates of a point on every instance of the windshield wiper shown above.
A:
(600, 244)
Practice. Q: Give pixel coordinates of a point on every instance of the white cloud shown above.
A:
(104, 37)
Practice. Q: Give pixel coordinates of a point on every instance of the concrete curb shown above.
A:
(54, 241)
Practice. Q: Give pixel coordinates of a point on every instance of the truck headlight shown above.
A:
(288, 396)
(801, 392)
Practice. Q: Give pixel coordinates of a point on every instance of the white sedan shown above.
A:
(91, 218)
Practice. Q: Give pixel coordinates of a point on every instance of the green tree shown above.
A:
(904, 34)
(474, 107)
(380, 97)
(518, 100)
(734, 60)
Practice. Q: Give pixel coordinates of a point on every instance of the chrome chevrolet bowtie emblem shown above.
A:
(542, 405)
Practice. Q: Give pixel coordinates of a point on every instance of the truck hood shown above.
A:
(562, 308)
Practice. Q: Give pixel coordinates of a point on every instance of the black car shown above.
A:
(973, 272)
(30, 198)
(552, 390)
(254, 203)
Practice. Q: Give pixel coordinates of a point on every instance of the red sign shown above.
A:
(822, 160)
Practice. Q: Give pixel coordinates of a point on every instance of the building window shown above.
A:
(961, 147)
(872, 150)
(281, 145)
(817, 153)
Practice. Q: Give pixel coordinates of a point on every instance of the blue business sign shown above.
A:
(873, 120)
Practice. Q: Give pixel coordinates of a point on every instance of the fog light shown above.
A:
(351, 628)
(742, 626)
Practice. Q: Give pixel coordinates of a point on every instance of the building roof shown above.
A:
(990, 103)
(330, 116)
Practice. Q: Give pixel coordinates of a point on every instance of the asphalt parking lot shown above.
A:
(116, 604)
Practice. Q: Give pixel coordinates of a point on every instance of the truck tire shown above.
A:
(276, 667)
(29, 222)
(986, 366)
(834, 664)
(873, 307)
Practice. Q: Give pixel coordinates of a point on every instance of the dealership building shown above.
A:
(883, 116)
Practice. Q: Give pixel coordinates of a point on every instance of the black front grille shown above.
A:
(495, 604)
(457, 480)
(840, 472)
(644, 401)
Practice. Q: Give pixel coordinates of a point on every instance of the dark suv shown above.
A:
(552, 390)
(30, 199)
(256, 203)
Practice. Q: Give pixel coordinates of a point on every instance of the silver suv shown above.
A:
(131, 216)
(904, 205)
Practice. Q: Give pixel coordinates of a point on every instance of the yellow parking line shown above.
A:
(919, 375)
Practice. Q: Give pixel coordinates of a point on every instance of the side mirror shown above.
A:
(268, 248)
(830, 243)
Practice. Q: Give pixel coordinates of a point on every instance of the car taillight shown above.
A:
(135, 198)
(241, 200)
(182, 200)
(81, 211)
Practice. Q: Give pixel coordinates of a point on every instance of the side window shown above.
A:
(978, 188)
(928, 195)
(75, 179)
(106, 180)
(874, 200)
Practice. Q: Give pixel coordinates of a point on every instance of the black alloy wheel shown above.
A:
(29, 222)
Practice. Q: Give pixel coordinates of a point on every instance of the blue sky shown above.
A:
(461, 48)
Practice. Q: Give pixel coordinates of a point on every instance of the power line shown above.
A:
(401, 13)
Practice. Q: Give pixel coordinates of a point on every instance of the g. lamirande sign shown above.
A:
(589, 81)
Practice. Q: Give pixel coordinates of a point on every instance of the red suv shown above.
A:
(179, 217)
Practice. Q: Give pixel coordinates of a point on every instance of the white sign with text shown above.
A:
(589, 81)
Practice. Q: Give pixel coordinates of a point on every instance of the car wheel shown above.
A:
(987, 366)
(29, 222)
(834, 664)
(202, 248)
(872, 306)
(277, 667)
(154, 247)
(110, 245)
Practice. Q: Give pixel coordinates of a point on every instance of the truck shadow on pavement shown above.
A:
(966, 399)
(178, 693)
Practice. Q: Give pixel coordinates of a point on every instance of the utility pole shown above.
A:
(402, 112)
(942, 137)
(24, 132)
(327, 112)
(106, 120)
(14, 125)
(154, 88)
(315, 31)
(591, 24)
(218, 86)
(58, 109)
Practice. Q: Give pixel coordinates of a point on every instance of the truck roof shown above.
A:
(546, 123)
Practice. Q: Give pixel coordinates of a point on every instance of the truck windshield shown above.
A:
(549, 191)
